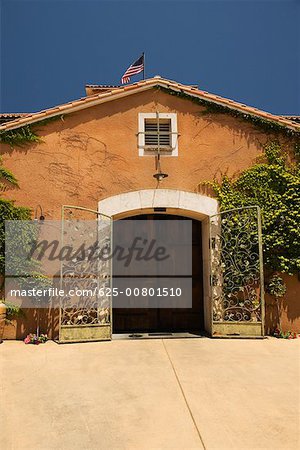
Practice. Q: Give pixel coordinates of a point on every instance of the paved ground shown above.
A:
(151, 394)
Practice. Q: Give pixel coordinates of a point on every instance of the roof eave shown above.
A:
(142, 86)
(95, 100)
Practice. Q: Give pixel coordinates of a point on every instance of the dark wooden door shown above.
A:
(159, 320)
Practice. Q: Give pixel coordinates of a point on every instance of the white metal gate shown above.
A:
(236, 264)
(85, 278)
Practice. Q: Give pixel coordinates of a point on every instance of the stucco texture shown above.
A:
(92, 154)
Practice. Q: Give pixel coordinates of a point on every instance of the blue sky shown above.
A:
(245, 50)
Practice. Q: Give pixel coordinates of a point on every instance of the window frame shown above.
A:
(141, 133)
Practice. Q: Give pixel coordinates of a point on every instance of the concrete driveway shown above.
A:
(151, 394)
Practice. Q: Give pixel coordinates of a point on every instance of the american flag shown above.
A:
(136, 67)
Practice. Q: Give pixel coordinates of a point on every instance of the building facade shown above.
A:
(100, 153)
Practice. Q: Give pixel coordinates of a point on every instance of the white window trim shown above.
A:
(141, 135)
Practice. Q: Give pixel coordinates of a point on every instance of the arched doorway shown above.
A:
(233, 300)
(171, 201)
(157, 320)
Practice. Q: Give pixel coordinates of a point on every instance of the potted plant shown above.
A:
(33, 338)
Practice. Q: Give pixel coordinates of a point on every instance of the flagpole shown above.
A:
(144, 72)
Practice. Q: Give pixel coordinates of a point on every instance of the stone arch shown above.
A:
(177, 202)
(186, 203)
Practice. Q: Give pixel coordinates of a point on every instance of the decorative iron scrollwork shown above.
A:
(236, 266)
(85, 273)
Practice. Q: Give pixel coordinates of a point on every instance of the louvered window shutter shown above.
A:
(158, 133)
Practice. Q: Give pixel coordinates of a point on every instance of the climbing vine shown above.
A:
(7, 176)
(268, 126)
(25, 135)
(28, 133)
(274, 185)
(8, 211)
(19, 136)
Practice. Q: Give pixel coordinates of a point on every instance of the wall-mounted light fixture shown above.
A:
(41, 217)
(160, 176)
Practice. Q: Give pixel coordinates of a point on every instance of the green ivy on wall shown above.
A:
(8, 211)
(29, 269)
(274, 185)
(28, 133)
(19, 136)
(25, 135)
(7, 176)
(267, 126)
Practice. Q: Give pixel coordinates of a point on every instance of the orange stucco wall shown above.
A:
(92, 154)
(289, 307)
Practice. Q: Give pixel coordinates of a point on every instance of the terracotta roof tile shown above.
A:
(295, 119)
(102, 86)
(13, 114)
(140, 86)
(8, 117)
